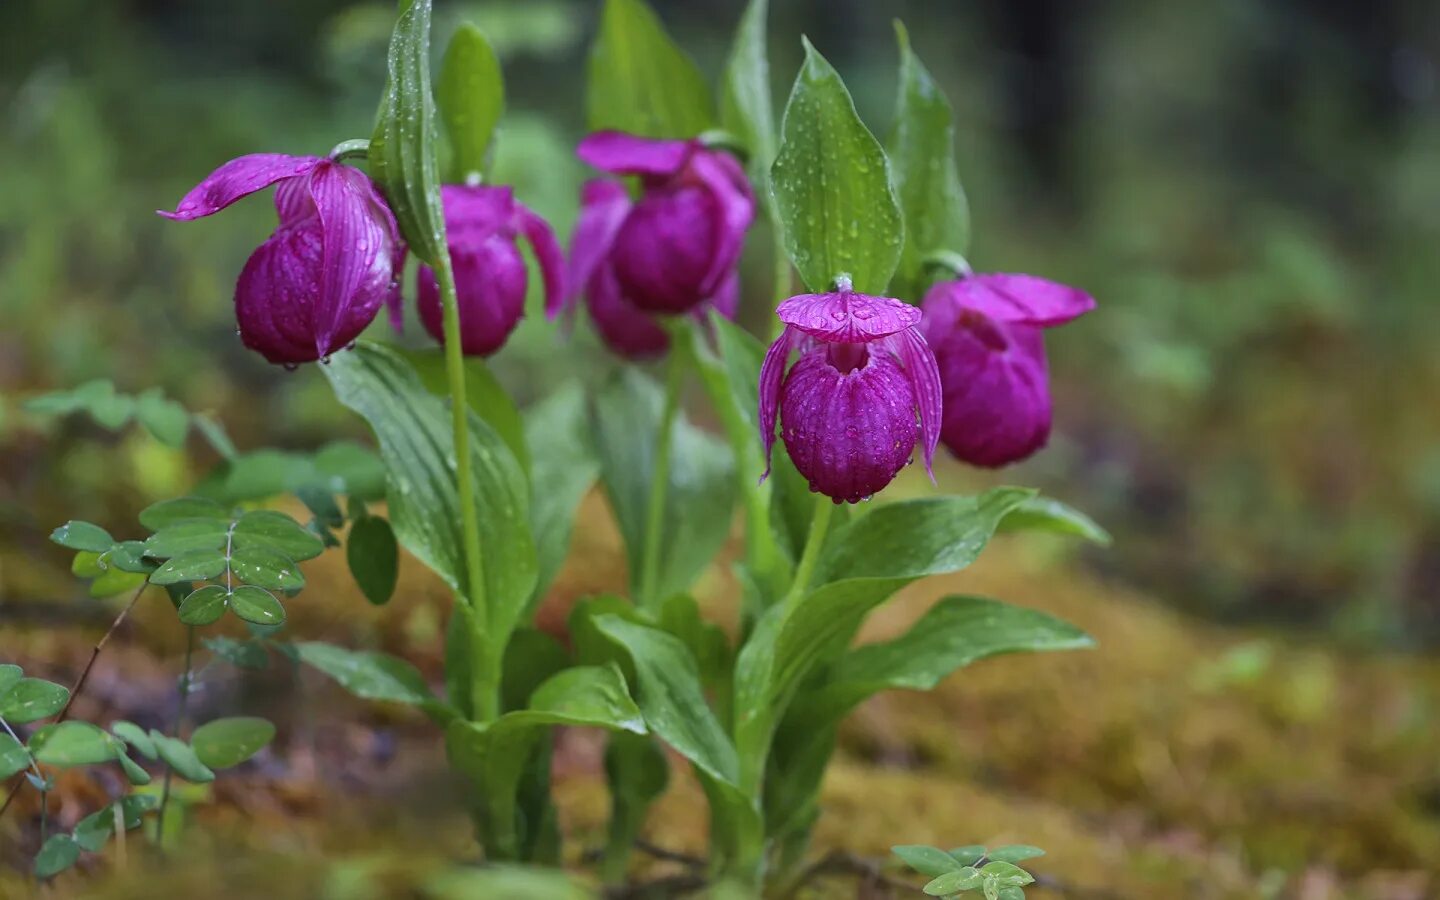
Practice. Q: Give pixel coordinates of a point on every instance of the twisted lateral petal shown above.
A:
(603, 207)
(924, 375)
(548, 254)
(772, 375)
(356, 249)
(734, 211)
(239, 178)
(845, 317)
(625, 154)
(1016, 299)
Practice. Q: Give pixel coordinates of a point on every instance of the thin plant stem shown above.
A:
(660, 478)
(179, 723)
(814, 543)
(39, 775)
(781, 275)
(486, 691)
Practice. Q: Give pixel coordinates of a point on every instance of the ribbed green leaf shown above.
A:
(373, 676)
(640, 81)
(470, 94)
(1049, 514)
(831, 185)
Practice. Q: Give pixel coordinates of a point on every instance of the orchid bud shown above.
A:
(848, 406)
(321, 277)
(986, 331)
(680, 240)
(481, 228)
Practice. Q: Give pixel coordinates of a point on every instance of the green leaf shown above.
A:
(225, 743)
(745, 103)
(374, 558)
(470, 95)
(171, 512)
(129, 556)
(135, 736)
(71, 744)
(636, 774)
(96, 398)
(370, 675)
(1006, 873)
(484, 393)
(969, 854)
(563, 468)
(59, 853)
(930, 861)
(197, 565)
(345, 467)
(241, 654)
(275, 531)
(133, 771)
(181, 757)
(922, 159)
(831, 185)
(640, 81)
(254, 604)
(115, 581)
(13, 756)
(953, 882)
(10, 675)
(32, 699)
(1014, 853)
(403, 146)
(1010, 892)
(700, 500)
(83, 536)
(531, 657)
(414, 431)
(188, 536)
(167, 420)
(204, 606)
(214, 434)
(265, 568)
(94, 830)
(1049, 514)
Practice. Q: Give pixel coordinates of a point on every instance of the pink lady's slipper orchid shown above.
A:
(481, 226)
(848, 407)
(986, 332)
(321, 277)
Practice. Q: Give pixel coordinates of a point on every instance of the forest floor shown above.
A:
(1175, 759)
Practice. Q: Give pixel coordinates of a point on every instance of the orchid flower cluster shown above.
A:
(856, 383)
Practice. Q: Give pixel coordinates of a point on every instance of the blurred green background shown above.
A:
(1250, 189)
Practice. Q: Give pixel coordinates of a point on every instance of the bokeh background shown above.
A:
(1251, 190)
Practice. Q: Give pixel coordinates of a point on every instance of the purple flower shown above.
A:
(481, 226)
(321, 277)
(848, 407)
(986, 331)
(676, 246)
(624, 326)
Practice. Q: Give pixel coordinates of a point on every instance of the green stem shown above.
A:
(486, 689)
(660, 477)
(781, 262)
(179, 724)
(814, 543)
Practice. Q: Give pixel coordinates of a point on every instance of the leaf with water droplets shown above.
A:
(831, 187)
(79, 535)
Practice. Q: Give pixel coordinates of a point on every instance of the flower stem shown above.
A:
(781, 262)
(814, 543)
(660, 478)
(179, 724)
(486, 688)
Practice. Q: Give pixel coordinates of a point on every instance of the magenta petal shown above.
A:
(997, 396)
(726, 299)
(924, 374)
(603, 207)
(357, 255)
(625, 154)
(239, 178)
(626, 329)
(490, 282)
(845, 317)
(1018, 299)
(772, 375)
(734, 209)
(476, 211)
(664, 250)
(548, 254)
(274, 297)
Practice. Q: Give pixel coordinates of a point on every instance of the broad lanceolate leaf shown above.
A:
(403, 147)
(922, 158)
(373, 676)
(831, 186)
(495, 754)
(373, 557)
(71, 744)
(563, 468)
(471, 96)
(930, 861)
(700, 501)
(224, 743)
(640, 81)
(1049, 514)
(32, 699)
(413, 427)
(746, 109)
(486, 396)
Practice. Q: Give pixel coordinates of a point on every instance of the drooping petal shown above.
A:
(924, 374)
(603, 207)
(997, 406)
(239, 178)
(625, 154)
(734, 210)
(1017, 299)
(357, 253)
(548, 254)
(625, 329)
(845, 317)
(772, 375)
(490, 283)
(274, 296)
(474, 212)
